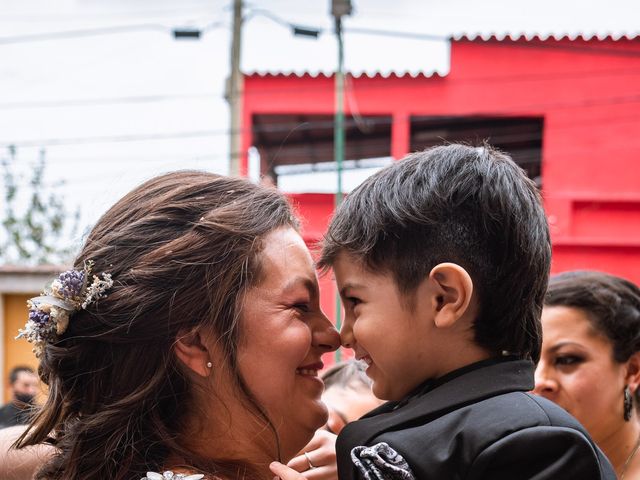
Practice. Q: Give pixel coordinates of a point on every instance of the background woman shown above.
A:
(192, 345)
(590, 363)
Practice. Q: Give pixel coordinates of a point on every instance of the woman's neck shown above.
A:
(620, 448)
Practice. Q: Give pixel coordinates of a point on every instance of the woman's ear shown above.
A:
(633, 372)
(192, 352)
(452, 292)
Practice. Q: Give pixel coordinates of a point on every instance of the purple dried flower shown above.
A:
(38, 316)
(71, 282)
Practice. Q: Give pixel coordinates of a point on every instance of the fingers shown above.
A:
(322, 473)
(327, 472)
(318, 459)
(284, 472)
(320, 439)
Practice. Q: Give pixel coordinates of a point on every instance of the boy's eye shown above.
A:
(353, 301)
(568, 360)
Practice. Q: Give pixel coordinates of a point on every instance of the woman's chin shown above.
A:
(302, 428)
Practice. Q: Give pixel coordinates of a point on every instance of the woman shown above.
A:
(187, 338)
(590, 362)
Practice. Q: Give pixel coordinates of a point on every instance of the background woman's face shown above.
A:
(283, 336)
(577, 371)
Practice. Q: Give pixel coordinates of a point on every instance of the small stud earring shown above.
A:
(209, 364)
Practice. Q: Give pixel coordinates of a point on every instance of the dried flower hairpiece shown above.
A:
(49, 313)
(169, 475)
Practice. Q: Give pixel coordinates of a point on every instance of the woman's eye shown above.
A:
(301, 306)
(567, 360)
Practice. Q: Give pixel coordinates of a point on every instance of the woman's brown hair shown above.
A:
(182, 249)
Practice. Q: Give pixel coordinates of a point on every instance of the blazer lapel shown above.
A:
(468, 388)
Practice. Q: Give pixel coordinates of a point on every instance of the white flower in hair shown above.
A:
(168, 475)
(50, 312)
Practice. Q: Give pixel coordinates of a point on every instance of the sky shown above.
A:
(114, 99)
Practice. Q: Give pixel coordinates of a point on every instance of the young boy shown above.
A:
(442, 262)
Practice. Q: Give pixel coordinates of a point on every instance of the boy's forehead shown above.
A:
(349, 263)
(352, 271)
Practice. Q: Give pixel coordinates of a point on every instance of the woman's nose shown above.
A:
(545, 384)
(325, 335)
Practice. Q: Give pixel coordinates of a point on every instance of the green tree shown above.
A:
(37, 226)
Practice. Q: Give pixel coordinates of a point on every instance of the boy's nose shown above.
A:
(545, 384)
(346, 335)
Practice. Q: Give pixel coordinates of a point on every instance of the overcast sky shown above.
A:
(115, 108)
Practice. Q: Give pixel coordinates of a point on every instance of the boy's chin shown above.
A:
(382, 392)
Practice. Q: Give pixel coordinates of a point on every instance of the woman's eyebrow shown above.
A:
(558, 346)
(305, 282)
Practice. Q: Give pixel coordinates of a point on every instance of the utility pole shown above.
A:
(234, 89)
(339, 8)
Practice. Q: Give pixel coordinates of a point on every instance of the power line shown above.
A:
(430, 37)
(85, 32)
(82, 102)
(274, 128)
(287, 126)
(89, 32)
(113, 138)
(397, 34)
(102, 15)
(526, 78)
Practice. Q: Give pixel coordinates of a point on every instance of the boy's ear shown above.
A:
(192, 352)
(452, 290)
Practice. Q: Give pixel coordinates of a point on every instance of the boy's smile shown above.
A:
(394, 341)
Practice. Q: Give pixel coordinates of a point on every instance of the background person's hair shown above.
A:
(348, 374)
(15, 371)
(471, 206)
(611, 304)
(182, 249)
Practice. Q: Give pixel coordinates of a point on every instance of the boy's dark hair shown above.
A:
(15, 371)
(471, 206)
(612, 305)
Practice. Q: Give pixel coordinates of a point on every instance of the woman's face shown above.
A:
(577, 371)
(283, 336)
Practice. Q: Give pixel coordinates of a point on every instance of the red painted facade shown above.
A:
(587, 92)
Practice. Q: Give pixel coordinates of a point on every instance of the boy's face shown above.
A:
(399, 344)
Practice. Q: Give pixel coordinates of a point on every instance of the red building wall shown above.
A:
(587, 92)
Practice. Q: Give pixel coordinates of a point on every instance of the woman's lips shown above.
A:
(310, 370)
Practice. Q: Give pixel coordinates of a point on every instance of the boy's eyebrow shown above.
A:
(351, 285)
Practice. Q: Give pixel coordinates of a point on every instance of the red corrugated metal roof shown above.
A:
(528, 36)
(329, 74)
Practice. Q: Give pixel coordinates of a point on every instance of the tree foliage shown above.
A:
(37, 225)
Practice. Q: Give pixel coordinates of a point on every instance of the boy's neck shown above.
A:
(466, 353)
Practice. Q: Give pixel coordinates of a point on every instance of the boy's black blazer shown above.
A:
(481, 424)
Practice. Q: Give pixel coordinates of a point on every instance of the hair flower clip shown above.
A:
(49, 313)
(169, 475)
